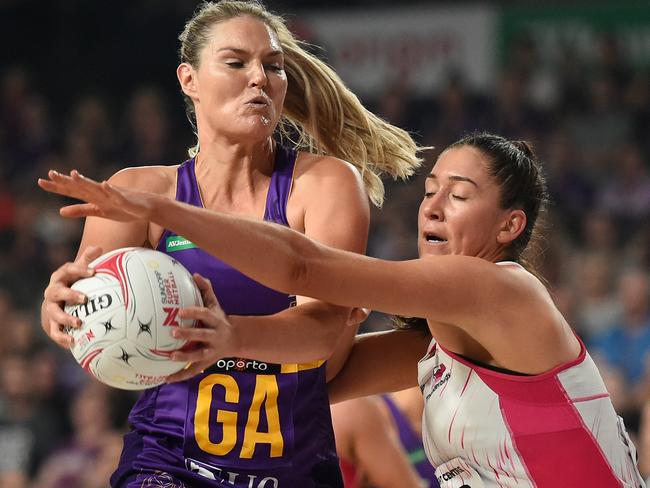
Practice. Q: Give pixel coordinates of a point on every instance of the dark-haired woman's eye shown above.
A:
(235, 64)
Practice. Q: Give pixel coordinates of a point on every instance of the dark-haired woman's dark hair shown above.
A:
(518, 172)
(410, 323)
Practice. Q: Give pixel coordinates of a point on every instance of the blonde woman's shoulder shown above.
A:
(325, 168)
(325, 186)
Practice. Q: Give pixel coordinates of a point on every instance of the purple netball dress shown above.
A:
(242, 423)
(412, 443)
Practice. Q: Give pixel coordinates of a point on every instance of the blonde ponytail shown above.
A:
(329, 119)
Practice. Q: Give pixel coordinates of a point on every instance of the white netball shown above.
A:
(125, 339)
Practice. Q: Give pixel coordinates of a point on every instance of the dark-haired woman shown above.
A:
(512, 398)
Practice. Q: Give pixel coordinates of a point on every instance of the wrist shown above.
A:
(155, 208)
(234, 346)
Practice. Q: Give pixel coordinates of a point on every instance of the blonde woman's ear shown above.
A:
(186, 78)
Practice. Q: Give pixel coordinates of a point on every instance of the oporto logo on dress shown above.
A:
(229, 365)
(178, 243)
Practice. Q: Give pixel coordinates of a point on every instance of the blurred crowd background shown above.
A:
(91, 85)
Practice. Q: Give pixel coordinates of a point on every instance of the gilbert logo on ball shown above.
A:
(134, 297)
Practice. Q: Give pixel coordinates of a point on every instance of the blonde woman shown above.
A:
(246, 80)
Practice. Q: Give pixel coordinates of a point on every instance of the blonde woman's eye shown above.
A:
(458, 197)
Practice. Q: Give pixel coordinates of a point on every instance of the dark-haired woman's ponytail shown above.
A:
(526, 148)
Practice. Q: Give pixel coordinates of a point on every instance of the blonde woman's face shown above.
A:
(460, 212)
(241, 83)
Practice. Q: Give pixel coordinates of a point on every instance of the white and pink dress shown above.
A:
(486, 428)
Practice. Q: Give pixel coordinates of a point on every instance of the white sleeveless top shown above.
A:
(483, 428)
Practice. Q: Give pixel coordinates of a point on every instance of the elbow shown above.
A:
(298, 277)
(334, 335)
(299, 269)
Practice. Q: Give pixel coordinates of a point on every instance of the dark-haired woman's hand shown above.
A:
(102, 199)
(213, 340)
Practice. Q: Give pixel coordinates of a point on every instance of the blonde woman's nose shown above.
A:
(257, 75)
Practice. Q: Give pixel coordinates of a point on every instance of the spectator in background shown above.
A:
(540, 81)
(91, 123)
(396, 103)
(148, 135)
(7, 211)
(625, 346)
(78, 146)
(6, 308)
(637, 103)
(602, 128)
(20, 331)
(27, 251)
(46, 384)
(25, 129)
(454, 113)
(94, 447)
(571, 191)
(597, 308)
(571, 74)
(391, 231)
(512, 114)
(610, 61)
(626, 194)
(638, 247)
(598, 234)
(28, 431)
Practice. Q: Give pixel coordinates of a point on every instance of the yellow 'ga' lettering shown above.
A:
(226, 418)
(266, 394)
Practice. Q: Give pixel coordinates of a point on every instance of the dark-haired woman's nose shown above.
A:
(432, 207)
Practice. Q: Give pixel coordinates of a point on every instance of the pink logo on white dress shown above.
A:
(438, 372)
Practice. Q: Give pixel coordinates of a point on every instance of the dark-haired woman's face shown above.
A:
(241, 83)
(460, 211)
